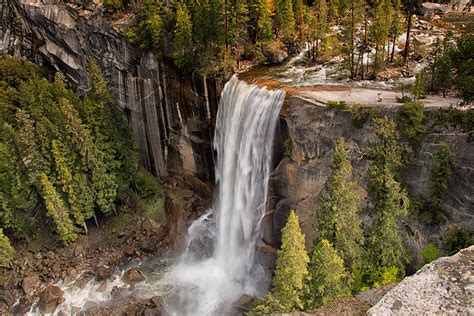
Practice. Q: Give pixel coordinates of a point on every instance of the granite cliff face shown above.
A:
(314, 129)
(171, 113)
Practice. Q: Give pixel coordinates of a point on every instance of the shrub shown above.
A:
(410, 120)
(112, 6)
(419, 87)
(148, 185)
(385, 275)
(441, 175)
(361, 114)
(457, 239)
(337, 105)
(453, 118)
(6, 250)
(430, 253)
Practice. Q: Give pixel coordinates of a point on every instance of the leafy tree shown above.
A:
(326, 280)
(389, 201)
(410, 120)
(183, 37)
(6, 250)
(442, 74)
(338, 221)
(290, 272)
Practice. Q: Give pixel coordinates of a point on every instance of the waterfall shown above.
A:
(209, 281)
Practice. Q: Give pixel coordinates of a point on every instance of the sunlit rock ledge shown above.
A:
(443, 287)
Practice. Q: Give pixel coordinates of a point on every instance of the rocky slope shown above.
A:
(444, 286)
(171, 113)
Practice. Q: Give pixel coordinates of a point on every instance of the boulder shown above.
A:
(133, 276)
(245, 303)
(30, 283)
(50, 298)
(129, 250)
(443, 287)
(103, 273)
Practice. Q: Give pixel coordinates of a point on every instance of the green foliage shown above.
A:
(457, 239)
(183, 38)
(430, 253)
(113, 6)
(385, 275)
(410, 120)
(337, 105)
(326, 280)
(264, 21)
(389, 201)
(419, 87)
(148, 185)
(441, 175)
(288, 146)
(285, 20)
(361, 114)
(338, 219)
(6, 250)
(290, 272)
(463, 62)
(453, 118)
(61, 156)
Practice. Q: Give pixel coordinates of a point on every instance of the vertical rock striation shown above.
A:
(171, 113)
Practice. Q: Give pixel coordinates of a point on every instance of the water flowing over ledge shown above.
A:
(245, 127)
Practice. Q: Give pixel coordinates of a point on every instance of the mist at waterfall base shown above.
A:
(218, 265)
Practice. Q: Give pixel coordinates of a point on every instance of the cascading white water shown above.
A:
(244, 132)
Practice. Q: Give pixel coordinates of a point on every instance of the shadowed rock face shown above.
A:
(171, 113)
(314, 129)
(444, 286)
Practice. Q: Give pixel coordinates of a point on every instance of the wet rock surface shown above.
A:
(50, 298)
(444, 286)
(133, 276)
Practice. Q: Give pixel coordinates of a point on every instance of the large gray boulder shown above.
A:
(443, 287)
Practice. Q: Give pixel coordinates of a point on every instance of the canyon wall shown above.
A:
(314, 129)
(171, 113)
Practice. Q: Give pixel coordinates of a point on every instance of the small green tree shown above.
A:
(463, 64)
(419, 87)
(430, 253)
(441, 175)
(183, 37)
(389, 201)
(290, 272)
(327, 278)
(264, 22)
(6, 250)
(285, 20)
(410, 119)
(57, 211)
(457, 239)
(338, 219)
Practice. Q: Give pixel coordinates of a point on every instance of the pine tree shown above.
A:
(6, 250)
(285, 20)
(321, 25)
(326, 280)
(290, 272)
(338, 220)
(57, 211)
(183, 37)
(389, 201)
(396, 25)
(441, 175)
(264, 22)
(379, 30)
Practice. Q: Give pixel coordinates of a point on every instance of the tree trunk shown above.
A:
(407, 42)
(85, 227)
(96, 221)
(394, 41)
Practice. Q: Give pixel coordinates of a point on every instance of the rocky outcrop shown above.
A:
(314, 129)
(443, 287)
(171, 113)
